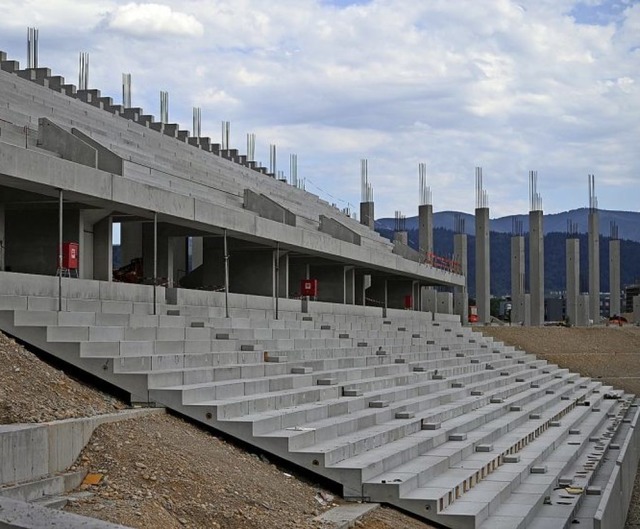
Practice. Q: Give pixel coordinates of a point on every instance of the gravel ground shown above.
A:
(32, 391)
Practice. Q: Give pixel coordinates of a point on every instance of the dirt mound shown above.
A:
(33, 391)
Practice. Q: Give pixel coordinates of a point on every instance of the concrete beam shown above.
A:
(53, 138)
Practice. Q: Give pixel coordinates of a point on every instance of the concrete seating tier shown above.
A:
(162, 160)
(409, 408)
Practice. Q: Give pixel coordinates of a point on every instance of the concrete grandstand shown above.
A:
(356, 382)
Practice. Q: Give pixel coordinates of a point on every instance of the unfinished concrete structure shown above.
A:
(483, 255)
(614, 270)
(519, 299)
(398, 406)
(594, 253)
(366, 200)
(536, 252)
(425, 214)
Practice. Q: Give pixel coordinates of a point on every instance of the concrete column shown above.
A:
(103, 249)
(536, 267)
(483, 266)
(196, 252)
(179, 268)
(584, 314)
(363, 282)
(402, 237)
(517, 279)
(594, 266)
(415, 295)
(425, 229)
(284, 275)
(165, 252)
(130, 241)
(349, 285)
(636, 309)
(2, 237)
(367, 214)
(573, 279)
(460, 295)
(614, 277)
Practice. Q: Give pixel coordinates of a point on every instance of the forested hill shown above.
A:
(628, 222)
(554, 266)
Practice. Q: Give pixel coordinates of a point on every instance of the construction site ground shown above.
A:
(161, 471)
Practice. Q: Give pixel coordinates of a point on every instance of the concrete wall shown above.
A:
(445, 303)
(483, 266)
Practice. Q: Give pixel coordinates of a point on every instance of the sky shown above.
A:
(510, 86)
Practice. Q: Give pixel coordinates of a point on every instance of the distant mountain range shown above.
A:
(555, 236)
(628, 222)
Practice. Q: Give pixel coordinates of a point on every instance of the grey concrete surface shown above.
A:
(483, 265)
(536, 266)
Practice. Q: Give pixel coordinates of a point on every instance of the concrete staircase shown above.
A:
(407, 408)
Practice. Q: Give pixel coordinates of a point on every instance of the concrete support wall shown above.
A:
(614, 277)
(483, 266)
(338, 231)
(130, 241)
(376, 294)
(594, 266)
(31, 240)
(2, 236)
(445, 303)
(367, 214)
(397, 291)
(283, 271)
(460, 295)
(196, 252)
(429, 300)
(517, 279)
(573, 279)
(425, 229)
(331, 282)
(349, 285)
(103, 249)
(536, 267)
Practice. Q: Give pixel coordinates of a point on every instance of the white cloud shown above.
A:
(508, 85)
(144, 20)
